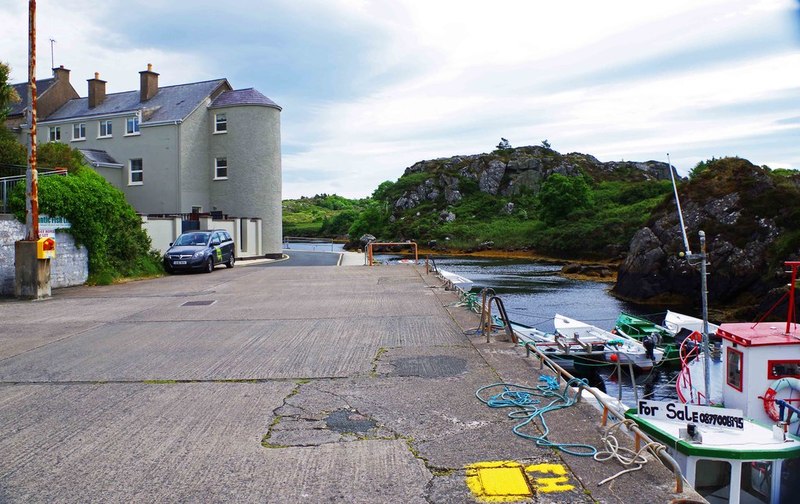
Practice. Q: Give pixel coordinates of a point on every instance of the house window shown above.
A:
(79, 131)
(105, 129)
(135, 173)
(220, 168)
(734, 368)
(132, 126)
(55, 133)
(220, 123)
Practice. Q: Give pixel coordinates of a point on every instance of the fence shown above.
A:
(8, 182)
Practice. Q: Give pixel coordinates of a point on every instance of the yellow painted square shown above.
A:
(503, 481)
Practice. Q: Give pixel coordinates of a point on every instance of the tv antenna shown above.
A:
(52, 59)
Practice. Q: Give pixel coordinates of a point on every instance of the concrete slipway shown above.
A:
(296, 384)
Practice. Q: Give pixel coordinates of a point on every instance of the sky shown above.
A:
(369, 88)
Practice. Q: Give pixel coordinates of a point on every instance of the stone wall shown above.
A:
(70, 267)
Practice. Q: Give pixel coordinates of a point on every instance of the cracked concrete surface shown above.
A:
(315, 384)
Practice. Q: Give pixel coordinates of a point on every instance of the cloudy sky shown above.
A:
(370, 87)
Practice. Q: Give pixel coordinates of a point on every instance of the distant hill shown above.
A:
(528, 198)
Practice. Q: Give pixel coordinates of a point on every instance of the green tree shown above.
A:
(372, 220)
(7, 93)
(560, 196)
(504, 145)
(11, 151)
(383, 190)
(59, 155)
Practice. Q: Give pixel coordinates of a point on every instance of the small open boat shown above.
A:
(643, 330)
(565, 352)
(676, 322)
(456, 281)
(619, 348)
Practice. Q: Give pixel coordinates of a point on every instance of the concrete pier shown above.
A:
(277, 384)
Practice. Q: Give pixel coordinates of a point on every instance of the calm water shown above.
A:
(533, 292)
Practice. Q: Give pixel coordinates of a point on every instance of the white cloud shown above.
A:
(374, 86)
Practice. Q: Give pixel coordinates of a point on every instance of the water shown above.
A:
(533, 292)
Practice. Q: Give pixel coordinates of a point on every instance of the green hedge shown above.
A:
(102, 221)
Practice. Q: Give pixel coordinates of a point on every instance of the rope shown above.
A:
(624, 456)
(529, 407)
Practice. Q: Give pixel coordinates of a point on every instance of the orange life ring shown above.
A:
(769, 396)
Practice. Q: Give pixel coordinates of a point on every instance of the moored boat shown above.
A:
(747, 448)
(619, 348)
(565, 352)
(643, 330)
(456, 281)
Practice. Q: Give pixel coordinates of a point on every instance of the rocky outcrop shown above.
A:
(743, 210)
(508, 172)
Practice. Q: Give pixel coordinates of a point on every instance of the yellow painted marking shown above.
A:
(498, 481)
(550, 485)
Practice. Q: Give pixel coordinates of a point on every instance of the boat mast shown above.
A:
(703, 283)
(678, 203)
(704, 295)
(791, 308)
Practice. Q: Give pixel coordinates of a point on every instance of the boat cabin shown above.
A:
(761, 363)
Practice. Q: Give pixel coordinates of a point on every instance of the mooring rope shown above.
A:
(624, 456)
(528, 404)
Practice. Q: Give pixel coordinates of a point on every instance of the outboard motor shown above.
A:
(649, 347)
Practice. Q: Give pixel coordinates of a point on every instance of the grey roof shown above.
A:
(42, 85)
(98, 157)
(247, 96)
(171, 103)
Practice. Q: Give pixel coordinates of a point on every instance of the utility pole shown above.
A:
(32, 256)
(31, 178)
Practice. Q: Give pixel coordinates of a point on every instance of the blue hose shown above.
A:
(528, 403)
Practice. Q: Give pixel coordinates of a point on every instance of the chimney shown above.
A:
(61, 74)
(97, 90)
(149, 83)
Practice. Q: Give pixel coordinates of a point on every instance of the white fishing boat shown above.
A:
(676, 322)
(562, 350)
(456, 281)
(746, 449)
(619, 348)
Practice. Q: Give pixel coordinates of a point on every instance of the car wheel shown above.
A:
(230, 262)
(209, 265)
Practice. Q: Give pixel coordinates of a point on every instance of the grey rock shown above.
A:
(489, 180)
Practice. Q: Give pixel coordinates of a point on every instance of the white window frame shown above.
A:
(54, 134)
(131, 171)
(220, 119)
(81, 128)
(218, 166)
(109, 124)
(132, 126)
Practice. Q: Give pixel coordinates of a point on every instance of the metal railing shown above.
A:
(311, 243)
(7, 185)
